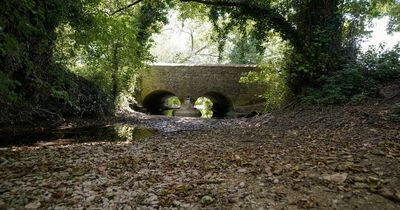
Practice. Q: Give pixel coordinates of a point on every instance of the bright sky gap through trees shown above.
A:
(173, 44)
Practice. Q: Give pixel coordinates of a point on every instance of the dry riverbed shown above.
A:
(331, 158)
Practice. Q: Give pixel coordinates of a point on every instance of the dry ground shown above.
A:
(331, 158)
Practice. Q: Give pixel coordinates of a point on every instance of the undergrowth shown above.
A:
(62, 94)
(358, 80)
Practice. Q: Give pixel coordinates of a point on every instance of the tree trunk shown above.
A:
(115, 67)
(318, 51)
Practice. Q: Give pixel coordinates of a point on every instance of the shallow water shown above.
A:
(94, 133)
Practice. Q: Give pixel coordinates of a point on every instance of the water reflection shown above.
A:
(117, 132)
(132, 133)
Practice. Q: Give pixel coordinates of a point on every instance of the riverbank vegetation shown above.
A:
(81, 58)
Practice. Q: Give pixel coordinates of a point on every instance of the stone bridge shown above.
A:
(219, 83)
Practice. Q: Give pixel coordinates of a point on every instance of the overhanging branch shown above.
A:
(272, 17)
(126, 7)
(218, 3)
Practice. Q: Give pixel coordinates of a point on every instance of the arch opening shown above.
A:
(161, 102)
(215, 105)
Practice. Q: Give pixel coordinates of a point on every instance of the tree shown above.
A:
(323, 33)
(312, 27)
(115, 48)
(28, 35)
(194, 45)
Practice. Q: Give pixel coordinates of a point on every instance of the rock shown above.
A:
(207, 200)
(338, 178)
(276, 181)
(33, 205)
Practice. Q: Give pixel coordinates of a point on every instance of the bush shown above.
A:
(63, 94)
(273, 73)
(75, 95)
(381, 65)
(361, 79)
(338, 88)
(275, 80)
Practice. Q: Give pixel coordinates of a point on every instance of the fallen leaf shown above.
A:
(338, 178)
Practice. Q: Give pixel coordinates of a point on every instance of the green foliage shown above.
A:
(324, 35)
(245, 50)
(338, 88)
(272, 74)
(374, 67)
(394, 13)
(204, 105)
(30, 80)
(7, 88)
(192, 10)
(41, 41)
(114, 49)
(172, 102)
(381, 64)
(75, 95)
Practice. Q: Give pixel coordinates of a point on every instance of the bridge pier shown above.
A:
(187, 109)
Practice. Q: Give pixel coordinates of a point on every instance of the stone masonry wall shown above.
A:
(197, 80)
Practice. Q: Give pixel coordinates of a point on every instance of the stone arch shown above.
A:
(154, 102)
(222, 105)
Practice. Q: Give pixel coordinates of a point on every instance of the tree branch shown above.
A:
(193, 54)
(218, 3)
(126, 7)
(272, 17)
